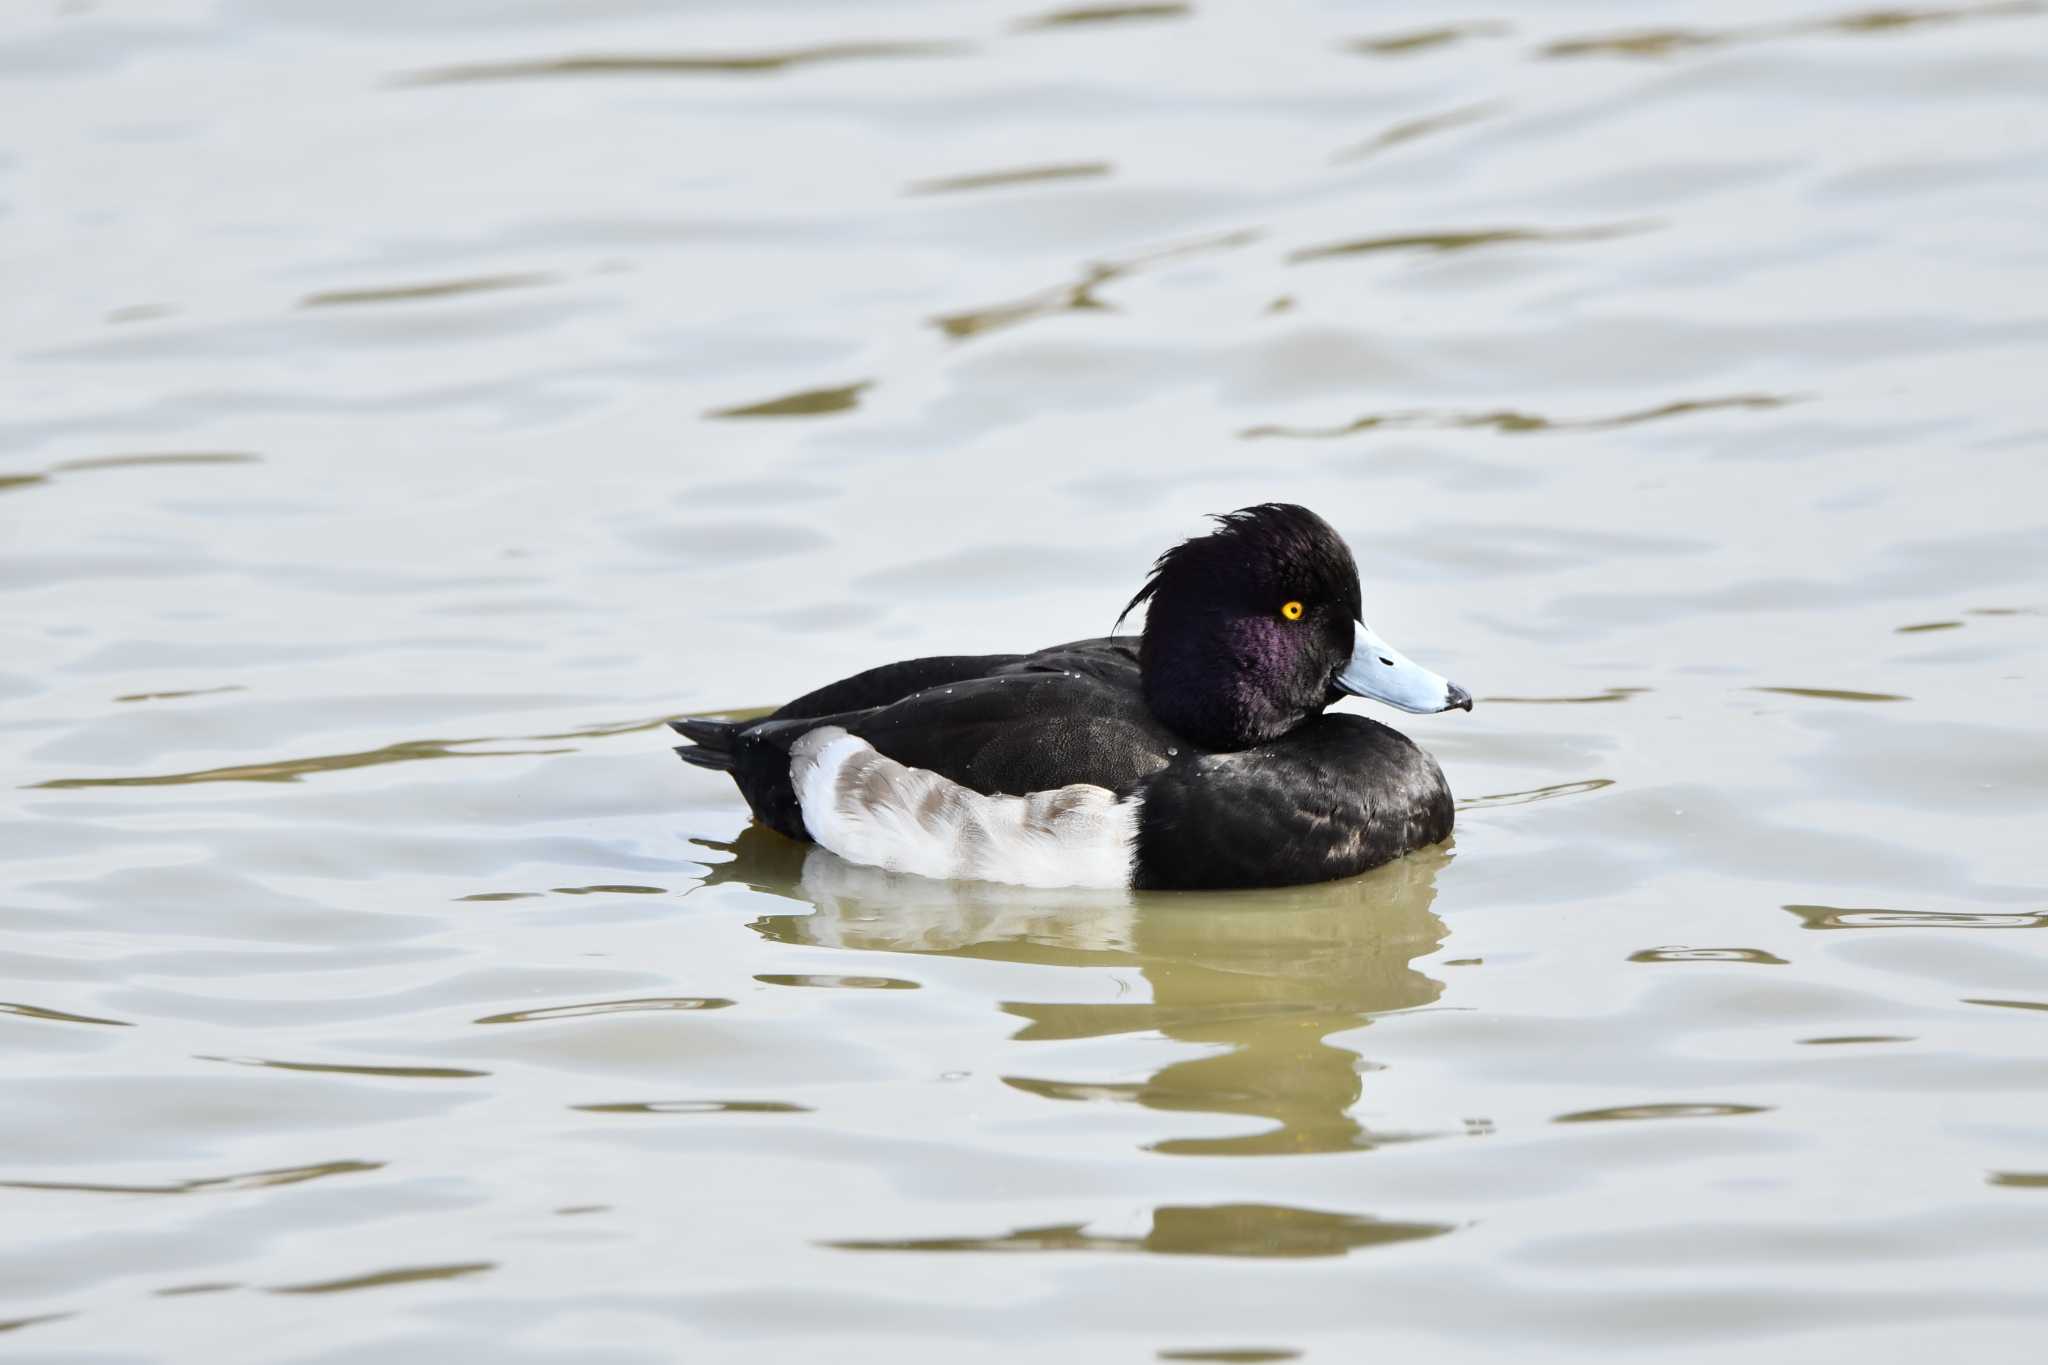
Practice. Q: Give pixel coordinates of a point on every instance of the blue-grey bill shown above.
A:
(1383, 673)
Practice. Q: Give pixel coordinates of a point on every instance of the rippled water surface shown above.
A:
(408, 406)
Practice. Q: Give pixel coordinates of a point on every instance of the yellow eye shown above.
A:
(1292, 611)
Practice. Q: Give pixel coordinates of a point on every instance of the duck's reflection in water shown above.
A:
(1262, 979)
(1263, 1230)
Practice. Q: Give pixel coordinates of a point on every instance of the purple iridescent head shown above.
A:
(1257, 626)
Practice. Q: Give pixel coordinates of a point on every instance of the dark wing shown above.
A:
(715, 743)
(1111, 659)
(1332, 798)
(1008, 723)
(892, 683)
(1023, 732)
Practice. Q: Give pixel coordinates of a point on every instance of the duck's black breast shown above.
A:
(1335, 796)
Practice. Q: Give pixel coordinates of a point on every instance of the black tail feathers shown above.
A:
(713, 742)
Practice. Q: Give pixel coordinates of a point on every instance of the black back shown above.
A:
(1000, 724)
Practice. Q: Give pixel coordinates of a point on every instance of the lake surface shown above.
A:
(407, 407)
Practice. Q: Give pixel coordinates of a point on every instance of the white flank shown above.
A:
(871, 809)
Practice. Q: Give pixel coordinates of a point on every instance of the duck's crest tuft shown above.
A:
(1285, 535)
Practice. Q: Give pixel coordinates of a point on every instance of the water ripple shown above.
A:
(693, 1107)
(808, 403)
(1878, 917)
(1022, 175)
(292, 769)
(1668, 42)
(340, 1069)
(187, 692)
(1832, 694)
(213, 1184)
(649, 1004)
(679, 64)
(1078, 296)
(1513, 423)
(1535, 794)
(1676, 1110)
(1591, 698)
(16, 1324)
(155, 460)
(1408, 130)
(384, 1278)
(1683, 954)
(58, 1016)
(1082, 15)
(830, 981)
(1412, 41)
(1465, 239)
(412, 293)
(404, 751)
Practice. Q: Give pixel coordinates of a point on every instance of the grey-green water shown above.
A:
(388, 385)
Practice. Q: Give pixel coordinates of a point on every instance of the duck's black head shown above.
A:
(1257, 626)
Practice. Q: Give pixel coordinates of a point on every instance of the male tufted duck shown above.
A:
(1196, 755)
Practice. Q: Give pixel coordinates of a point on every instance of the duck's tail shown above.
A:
(712, 742)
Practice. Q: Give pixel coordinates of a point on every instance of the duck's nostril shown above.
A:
(1385, 660)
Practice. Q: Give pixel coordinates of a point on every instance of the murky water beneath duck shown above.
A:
(485, 382)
